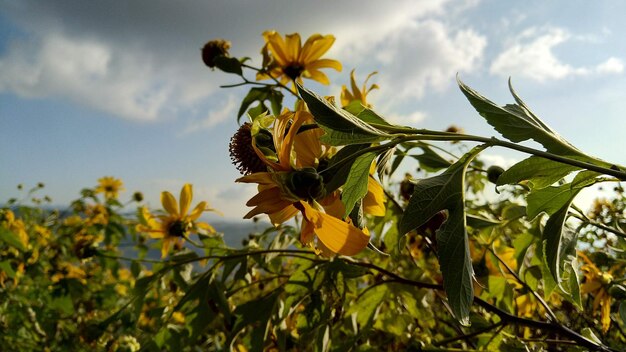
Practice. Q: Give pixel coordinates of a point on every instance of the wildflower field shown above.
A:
(382, 238)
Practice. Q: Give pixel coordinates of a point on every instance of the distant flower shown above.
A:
(288, 60)
(176, 225)
(597, 283)
(110, 186)
(356, 93)
(214, 49)
(15, 226)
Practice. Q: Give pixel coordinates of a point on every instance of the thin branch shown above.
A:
(537, 296)
(470, 335)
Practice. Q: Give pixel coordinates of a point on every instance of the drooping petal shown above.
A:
(265, 195)
(186, 194)
(268, 208)
(374, 200)
(197, 211)
(605, 316)
(339, 236)
(316, 75)
(262, 178)
(205, 226)
(165, 246)
(283, 215)
(169, 203)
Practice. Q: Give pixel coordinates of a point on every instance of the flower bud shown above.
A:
(214, 49)
(493, 173)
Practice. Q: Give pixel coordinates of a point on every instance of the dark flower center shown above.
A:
(293, 71)
(177, 228)
(243, 155)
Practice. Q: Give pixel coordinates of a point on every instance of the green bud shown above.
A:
(493, 173)
(306, 184)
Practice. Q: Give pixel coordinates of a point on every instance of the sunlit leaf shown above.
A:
(539, 171)
(356, 183)
(341, 127)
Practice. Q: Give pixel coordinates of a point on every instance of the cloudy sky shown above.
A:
(89, 89)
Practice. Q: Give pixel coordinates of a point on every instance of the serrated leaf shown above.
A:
(456, 264)
(436, 193)
(446, 192)
(356, 183)
(431, 161)
(341, 127)
(551, 199)
(516, 123)
(539, 171)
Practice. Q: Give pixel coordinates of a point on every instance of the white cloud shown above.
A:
(410, 119)
(128, 83)
(423, 56)
(216, 116)
(531, 55)
(611, 65)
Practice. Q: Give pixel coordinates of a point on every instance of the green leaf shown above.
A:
(431, 161)
(622, 311)
(228, 64)
(516, 123)
(365, 114)
(336, 174)
(456, 264)
(367, 304)
(341, 127)
(551, 199)
(539, 171)
(11, 239)
(446, 192)
(5, 266)
(261, 94)
(574, 283)
(557, 242)
(356, 184)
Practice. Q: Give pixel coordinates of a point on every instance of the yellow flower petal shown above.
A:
(197, 211)
(186, 194)
(263, 178)
(316, 46)
(374, 200)
(292, 46)
(283, 215)
(169, 203)
(339, 236)
(325, 63)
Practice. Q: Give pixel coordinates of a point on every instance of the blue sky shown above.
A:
(91, 89)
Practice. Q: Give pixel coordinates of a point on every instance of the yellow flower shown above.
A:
(597, 283)
(288, 60)
(176, 225)
(110, 186)
(348, 96)
(16, 226)
(67, 270)
(294, 186)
